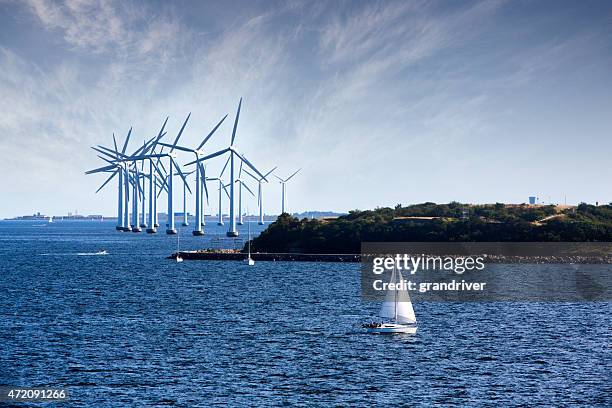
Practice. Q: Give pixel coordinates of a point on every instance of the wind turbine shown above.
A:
(118, 170)
(185, 221)
(284, 188)
(260, 193)
(171, 167)
(116, 166)
(157, 182)
(232, 232)
(220, 214)
(241, 184)
(134, 178)
(199, 176)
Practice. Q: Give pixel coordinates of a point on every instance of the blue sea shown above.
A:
(133, 328)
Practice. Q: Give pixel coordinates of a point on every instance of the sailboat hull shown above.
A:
(392, 328)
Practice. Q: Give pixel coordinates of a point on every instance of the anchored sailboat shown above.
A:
(397, 308)
(250, 260)
(179, 258)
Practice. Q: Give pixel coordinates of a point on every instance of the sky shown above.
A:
(379, 103)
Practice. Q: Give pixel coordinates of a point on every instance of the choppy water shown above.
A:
(132, 328)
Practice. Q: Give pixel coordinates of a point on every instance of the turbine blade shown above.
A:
(107, 181)
(289, 178)
(161, 163)
(127, 139)
(178, 169)
(181, 148)
(203, 171)
(219, 153)
(150, 144)
(101, 169)
(224, 167)
(248, 163)
(161, 131)
(211, 133)
(115, 142)
(247, 187)
(249, 173)
(180, 132)
(270, 172)
(109, 152)
(162, 178)
(144, 156)
(105, 153)
(236, 123)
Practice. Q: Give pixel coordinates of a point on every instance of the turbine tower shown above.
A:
(170, 229)
(260, 193)
(284, 189)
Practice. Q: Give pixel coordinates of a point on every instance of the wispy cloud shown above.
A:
(113, 27)
(354, 92)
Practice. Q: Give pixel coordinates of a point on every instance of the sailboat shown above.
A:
(179, 258)
(397, 308)
(250, 260)
(50, 219)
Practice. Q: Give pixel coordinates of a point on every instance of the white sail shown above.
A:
(397, 304)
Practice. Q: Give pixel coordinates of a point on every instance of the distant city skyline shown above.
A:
(379, 103)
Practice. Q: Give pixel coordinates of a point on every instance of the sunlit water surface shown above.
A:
(133, 328)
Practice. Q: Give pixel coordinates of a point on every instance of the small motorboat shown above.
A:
(102, 252)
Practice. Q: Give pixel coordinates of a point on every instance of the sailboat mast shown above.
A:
(249, 236)
(395, 298)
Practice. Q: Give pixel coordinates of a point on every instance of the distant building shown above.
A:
(532, 200)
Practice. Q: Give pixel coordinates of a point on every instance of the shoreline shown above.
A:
(356, 258)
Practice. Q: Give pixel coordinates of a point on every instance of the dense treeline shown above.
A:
(452, 222)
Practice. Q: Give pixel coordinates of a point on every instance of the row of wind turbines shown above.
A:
(146, 165)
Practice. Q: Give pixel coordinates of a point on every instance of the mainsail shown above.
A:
(397, 304)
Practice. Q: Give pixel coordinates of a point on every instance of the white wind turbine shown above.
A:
(171, 167)
(260, 193)
(284, 189)
(118, 165)
(232, 151)
(241, 184)
(199, 176)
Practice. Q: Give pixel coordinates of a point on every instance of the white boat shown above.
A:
(102, 252)
(250, 260)
(397, 307)
(50, 219)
